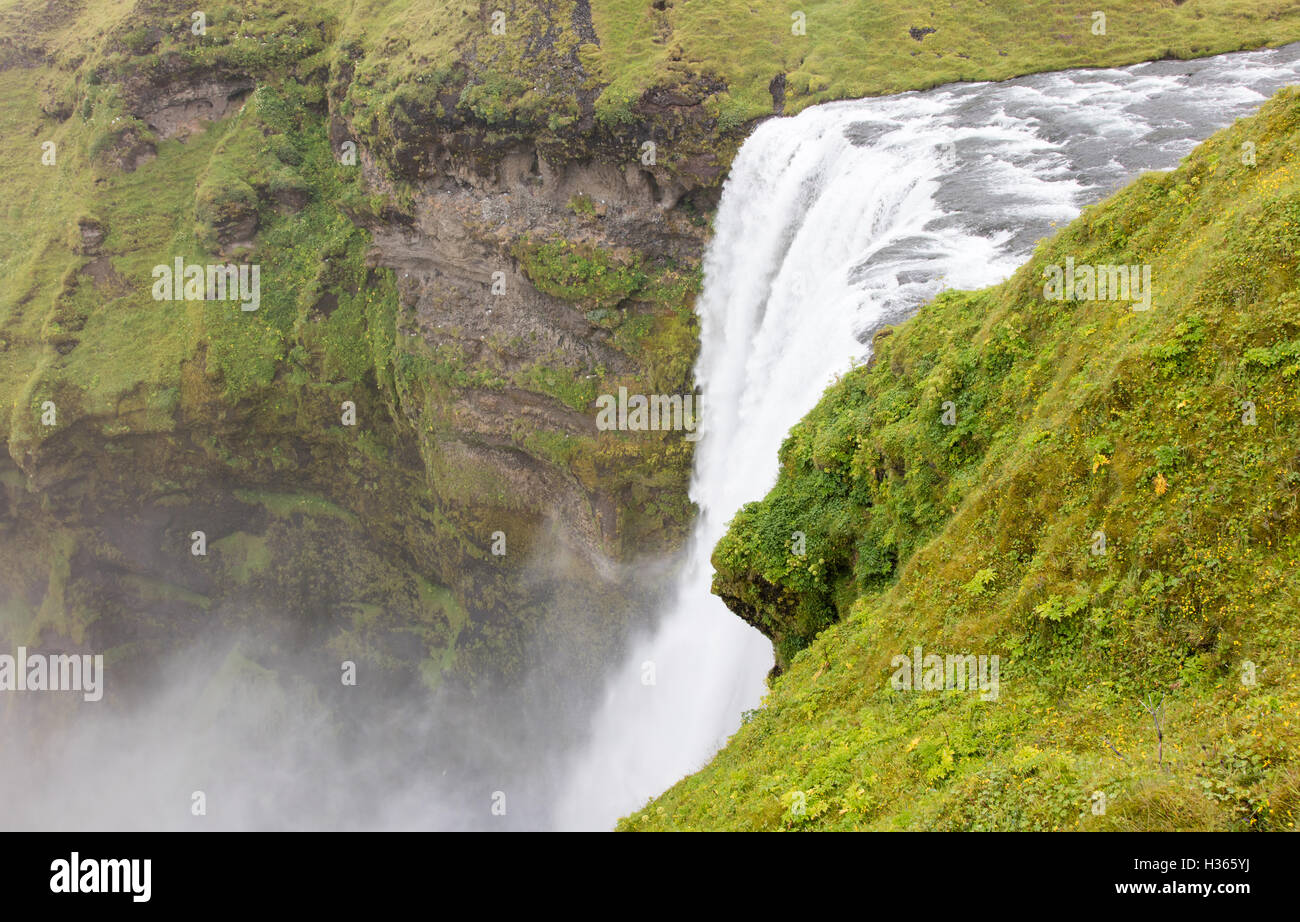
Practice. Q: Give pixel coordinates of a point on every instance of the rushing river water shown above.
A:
(832, 223)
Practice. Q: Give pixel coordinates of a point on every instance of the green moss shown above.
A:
(244, 555)
(579, 272)
(286, 505)
(575, 390)
(583, 204)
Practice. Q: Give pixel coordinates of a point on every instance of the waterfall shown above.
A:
(832, 223)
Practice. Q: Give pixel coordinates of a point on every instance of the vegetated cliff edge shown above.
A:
(505, 248)
(1114, 512)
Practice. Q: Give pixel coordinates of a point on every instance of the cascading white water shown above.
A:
(831, 224)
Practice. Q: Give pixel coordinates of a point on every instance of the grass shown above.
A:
(1169, 431)
(735, 49)
(859, 49)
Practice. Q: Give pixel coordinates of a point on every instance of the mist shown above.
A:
(222, 736)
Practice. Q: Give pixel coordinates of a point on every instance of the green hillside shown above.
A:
(1170, 431)
(852, 49)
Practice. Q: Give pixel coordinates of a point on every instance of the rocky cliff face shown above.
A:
(466, 263)
(466, 292)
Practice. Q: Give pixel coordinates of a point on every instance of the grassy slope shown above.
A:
(139, 344)
(849, 49)
(857, 48)
(1072, 417)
